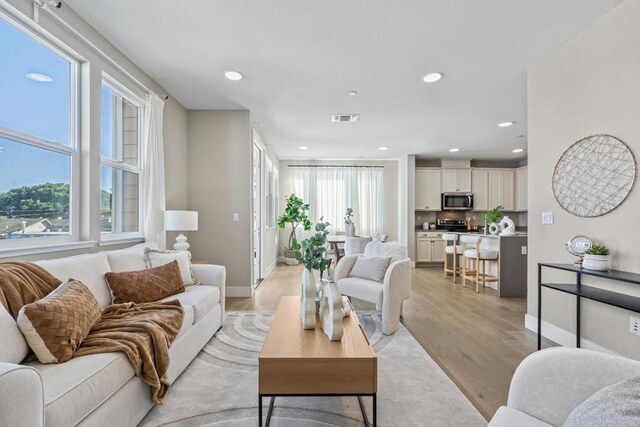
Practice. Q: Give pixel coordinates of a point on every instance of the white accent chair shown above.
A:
(549, 384)
(389, 295)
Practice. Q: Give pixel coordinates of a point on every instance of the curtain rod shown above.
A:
(334, 166)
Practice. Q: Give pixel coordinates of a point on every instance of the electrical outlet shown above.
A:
(523, 250)
(634, 325)
(236, 217)
(419, 218)
(547, 217)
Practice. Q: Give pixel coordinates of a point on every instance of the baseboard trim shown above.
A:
(270, 269)
(238, 291)
(560, 336)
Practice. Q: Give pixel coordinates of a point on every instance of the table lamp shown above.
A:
(181, 221)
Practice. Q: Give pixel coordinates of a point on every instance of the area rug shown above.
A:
(219, 388)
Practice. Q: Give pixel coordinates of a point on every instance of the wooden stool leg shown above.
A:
(464, 271)
(477, 275)
(446, 262)
(455, 266)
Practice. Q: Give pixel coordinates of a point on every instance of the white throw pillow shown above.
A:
(370, 268)
(157, 258)
(14, 347)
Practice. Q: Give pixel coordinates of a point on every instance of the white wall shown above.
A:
(391, 189)
(93, 50)
(220, 153)
(589, 86)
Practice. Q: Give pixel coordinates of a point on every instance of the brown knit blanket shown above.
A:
(144, 332)
(22, 283)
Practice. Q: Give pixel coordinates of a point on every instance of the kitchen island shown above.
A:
(512, 265)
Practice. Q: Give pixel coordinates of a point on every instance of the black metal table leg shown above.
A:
(375, 410)
(539, 307)
(260, 410)
(364, 412)
(579, 282)
(270, 411)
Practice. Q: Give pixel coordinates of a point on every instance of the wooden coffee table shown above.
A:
(298, 362)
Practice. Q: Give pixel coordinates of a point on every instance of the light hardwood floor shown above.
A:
(477, 339)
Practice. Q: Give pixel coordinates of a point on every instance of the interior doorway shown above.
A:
(257, 214)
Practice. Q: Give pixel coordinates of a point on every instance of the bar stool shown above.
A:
(455, 251)
(475, 256)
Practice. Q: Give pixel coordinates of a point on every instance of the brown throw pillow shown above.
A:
(145, 285)
(56, 325)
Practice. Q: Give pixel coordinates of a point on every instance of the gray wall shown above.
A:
(95, 63)
(591, 85)
(390, 191)
(220, 152)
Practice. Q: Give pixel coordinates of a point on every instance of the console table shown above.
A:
(603, 296)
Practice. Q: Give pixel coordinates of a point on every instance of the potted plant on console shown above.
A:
(491, 218)
(311, 255)
(295, 214)
(596, 258)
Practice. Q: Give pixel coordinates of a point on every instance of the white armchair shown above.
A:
(550, 383)
(388, 295)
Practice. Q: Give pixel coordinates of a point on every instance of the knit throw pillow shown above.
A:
(55, 326)
(145, 285)
(370, 268)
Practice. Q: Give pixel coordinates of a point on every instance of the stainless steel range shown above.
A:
(452, 224)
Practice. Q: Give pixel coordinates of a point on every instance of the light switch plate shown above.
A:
(236, 217)
(547, 217)
(523, 250)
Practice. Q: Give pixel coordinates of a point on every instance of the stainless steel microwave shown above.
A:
(457, 201)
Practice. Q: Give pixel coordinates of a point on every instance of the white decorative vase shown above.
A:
(494, 228)
(352, 230)
(349, 229)
(308, 300)
(331, 312)
(596, 262)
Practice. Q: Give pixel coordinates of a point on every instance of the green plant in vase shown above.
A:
(296, 213)
(596, 258)
(311, 255)
(491, 217)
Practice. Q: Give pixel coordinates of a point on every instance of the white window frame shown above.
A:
(16, 247)
(118, 88)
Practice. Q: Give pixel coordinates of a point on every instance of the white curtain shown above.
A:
(153, 170)
(330, 190)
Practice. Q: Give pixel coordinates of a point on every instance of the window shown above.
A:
(120, 157)
(330, 190)
(37, 138)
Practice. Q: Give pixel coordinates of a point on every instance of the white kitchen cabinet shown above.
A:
(428, 189)
(480, 189)
(521, 189)
(501, 189)
(429, 246)
(456, 180)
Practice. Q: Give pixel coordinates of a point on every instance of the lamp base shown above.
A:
(181, 243)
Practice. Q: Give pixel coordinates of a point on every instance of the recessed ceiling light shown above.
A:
(383, 148)
(454, 150)
(233, 75)
(353, 93)
(517, 150)
(432, 77)
(506, 124)
(39, 77)
(303, 147)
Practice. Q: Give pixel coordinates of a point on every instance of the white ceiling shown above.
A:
(301, 58)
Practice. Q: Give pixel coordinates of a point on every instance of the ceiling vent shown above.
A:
(345, 117)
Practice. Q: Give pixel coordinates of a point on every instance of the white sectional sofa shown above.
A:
(101, 389)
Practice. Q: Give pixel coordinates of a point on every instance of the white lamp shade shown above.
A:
(180, 220)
